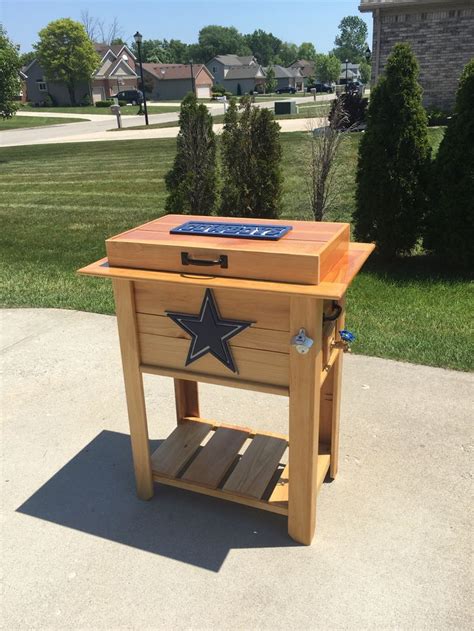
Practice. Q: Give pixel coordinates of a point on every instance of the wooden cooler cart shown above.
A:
(255, 306)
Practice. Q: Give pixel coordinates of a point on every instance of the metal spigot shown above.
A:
(346, 340)
(302, 342)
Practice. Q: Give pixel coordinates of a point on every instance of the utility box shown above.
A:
(256, 305)
(285, 107)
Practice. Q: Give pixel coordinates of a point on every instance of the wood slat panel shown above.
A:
(253, 365)
(289, 243)
(302, 230)
(268, 312)
(325, 290)
(253, 337)
(256, 467)
(177, 449)
(294, 267)
(220, 494)
(213, 461)
(230, 382)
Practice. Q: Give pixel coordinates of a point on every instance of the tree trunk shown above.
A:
(72, 92)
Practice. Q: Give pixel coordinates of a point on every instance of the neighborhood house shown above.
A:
(115, 73)
(239, 75)
(173, 81)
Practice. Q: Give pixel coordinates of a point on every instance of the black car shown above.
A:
(287, 90)
(135, 97)
(321, 87)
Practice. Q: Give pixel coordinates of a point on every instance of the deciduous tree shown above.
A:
(191, 183)
(306, 50)
(10, 65)
(66, 54)
(394, 159)
(220, 40)
(351, 42)
(264, 46)
(327, 68)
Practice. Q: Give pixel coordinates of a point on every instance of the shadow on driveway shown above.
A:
(95, 493)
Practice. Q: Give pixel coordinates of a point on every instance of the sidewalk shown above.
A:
(392, 548)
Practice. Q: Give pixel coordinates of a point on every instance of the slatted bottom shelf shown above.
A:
(257, 477)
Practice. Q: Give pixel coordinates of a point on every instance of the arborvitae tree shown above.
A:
(450, 220)
(394, 159)
(251, 156)
(191, 183)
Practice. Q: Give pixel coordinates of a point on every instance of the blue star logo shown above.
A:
(209, 332)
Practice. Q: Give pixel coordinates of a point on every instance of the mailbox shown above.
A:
(257, 305)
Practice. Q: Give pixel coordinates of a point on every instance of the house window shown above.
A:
(42, 87)
(214, 70)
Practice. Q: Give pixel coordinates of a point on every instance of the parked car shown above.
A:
(287, 90)
(321, 87)
(135, 97)
(355, 87)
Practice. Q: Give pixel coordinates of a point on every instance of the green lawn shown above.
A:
(127, 110)
(58, 205)
(18, 122)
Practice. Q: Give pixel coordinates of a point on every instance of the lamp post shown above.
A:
(138, 41)
(347, 64)
(193, 87)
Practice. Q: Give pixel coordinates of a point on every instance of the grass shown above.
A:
(127, 110)
(19, 122)
(58, 205)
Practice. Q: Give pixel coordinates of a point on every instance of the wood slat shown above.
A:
(179, 447)
(331, 290)
(220, 494)
(213, 461)
(295, 267)
(253, 337)
(267, 312)
(256, 467)
(230, 382)
(250, 431)
(302, 230)
(253, 365)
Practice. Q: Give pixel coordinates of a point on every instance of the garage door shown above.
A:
(203, 92)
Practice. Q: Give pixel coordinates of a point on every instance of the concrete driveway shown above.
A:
(392, 549)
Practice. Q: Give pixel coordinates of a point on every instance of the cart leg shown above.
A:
(187, 399)
(331, 404)
(127, 328)
(305, 375)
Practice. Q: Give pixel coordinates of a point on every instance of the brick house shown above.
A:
(441, 33)
(116, 72)
(171, 82)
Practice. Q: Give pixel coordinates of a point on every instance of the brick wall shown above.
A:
(442, 38)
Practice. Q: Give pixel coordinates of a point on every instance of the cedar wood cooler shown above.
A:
(213, 304)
